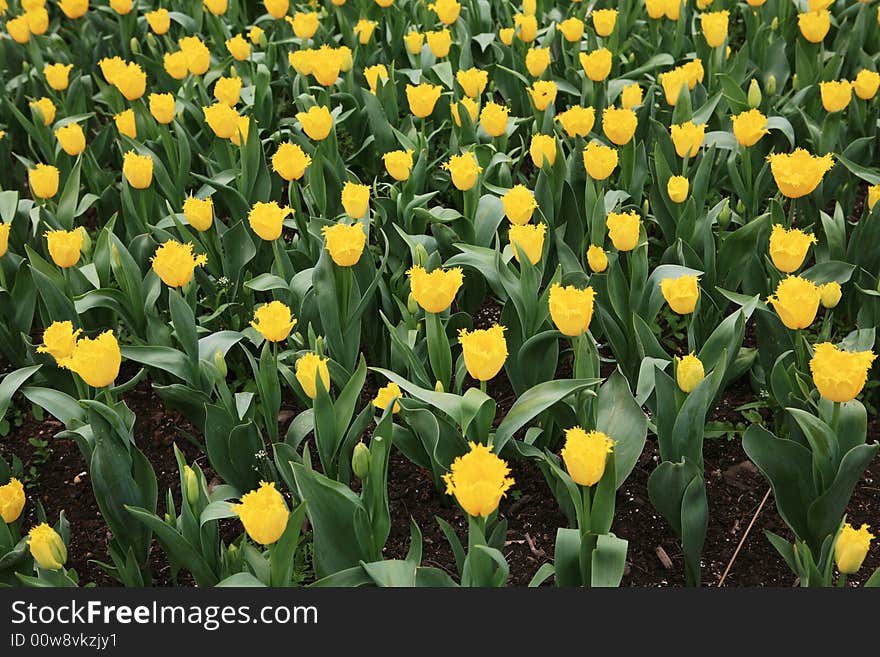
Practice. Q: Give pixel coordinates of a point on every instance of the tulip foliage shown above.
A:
(478, 237)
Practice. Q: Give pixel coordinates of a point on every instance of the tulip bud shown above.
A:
(830, 294)
(740, 206)
(86, 246)
(724, 215)
(645, 207)
(632, 57)
(135, 46)
(774, 24)
(421, 256)
(191, 482)
(438, 387)
(360, 461)
(25, 67)
(114, 256)
(151, 41)
(770, 85)
(794, 82)
(754, 94)
(411, 304)
(319, 345)
(220, 363)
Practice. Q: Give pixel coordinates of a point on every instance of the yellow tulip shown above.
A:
(47, 547)
(364, 29)
(597, 259)
(162, 107)
(672, 9)
(57, 75)
(44, 109)
(355, 199)
(59, 340)
(263, 511)
(537, 61)
(493, 119)
(43, 180)
(398, 164)
(688, 138)
(175, 64)
(470, 106)
(374, 74)
(478, 480)
(74, 9)
(276, 8)
(18, 29)
(422, 99)
(623, 229)
(571, 309)
(238, 47)
(814, 25)
(96, 361)
(137, 169)
(384, 396)
(464, 170)
(414, 42)
(198, 57)
(873, 195)
(12, 500)
(681, 293)
(290, 161)
(484, 350)
(37, 20)
(65, 246)
(506, 35)
(434, 291)
(542, 149)
(255, 35)
(585, 455)
(788, 248)
(345, 243)
(866, 84)
(619, 125)
(222, 119)
(267, 219)
(447, 10)
(519, 203)
(121, 7)
(572, 29)
(71, 138)
(526, 27)
(577, 121)
(316, 122)
(305, 24)
(839, 375)
(308, 369)
(749, 127)
(631, 96)
(714, 26)
(604, 21)
(830, 294)
(326, 64)
(175, 263)
(673, 82)
(851, 548)
(273, 321)
(543, 94)
(199, 212)
(132, 82)
(688, 372)
(439, 41)
(159, 21)
(835, 95)
(125, 123)
(599, 160)
(596, 64)
(677, 189)
(796, 301)
(216, 7)
(228, 90)
(528, 239)
(4, 238)
(799, 173)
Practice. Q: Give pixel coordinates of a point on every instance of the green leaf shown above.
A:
(609, 561)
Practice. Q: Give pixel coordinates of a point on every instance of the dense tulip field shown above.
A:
(338, 293)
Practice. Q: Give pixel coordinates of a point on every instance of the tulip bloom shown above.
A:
(830, 294)
(47, 547)
(65, 246)
(238, 47)
(267, 219)
(788, 248)
(542, 149)
(619, 125)
(851, 548)
(414, 42)
(677, 189)
(4, 238)
(631, 96)
(44, 109)
(673, 82)
(199, 212)
(308, 369)
(422, 99)
(527, 239)
(814, 25)
(537, 61)
(273, 321)
(585, 455)
(866, 84)
(398, 164)
(623, 229)
(571, 309)
(478, 480)
(159, 21)
(464, 170)
(596, 64)
(345, 243)
(57, 75)
(12, 500)
(681, 293)
(484, 350)
(687, 138)
(473, 81)
(175, 263)
(374, 74)
(355, 199)
(43, 180)
(493, 119)
(835, 95)
(577, 121)
(316, 122)
(688, 372)
(799, 173)
(604, 21)
(796, 301)
(59, 340)
(526, 27)
(434, 291)
(228, 90)
(839, 375)
(96, 361)
(599, 161)
(597, 259)
(263, 513)
(749, 127)
(519, 203)
(439, 41)
(290, 161)
(276, 8)
(222, 119)
(162, 107)
(572, 29)
(137, 169)
(447, 10)
(543, 94)
(74, 9)
(385, 394)
(714, 26)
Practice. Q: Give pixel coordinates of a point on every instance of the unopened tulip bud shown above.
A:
(794, 82)
(135, 46)
(754, 94)
(411, 304)
(151, 41)
(191, 481)
(645, 207)
(421, 255)
(740, 206)
(360, 461)
(770, 86)
(25, 66)
(438, 387)
(86, 246)
(114, 256)
(220, 363)
(724, 215)
(774, 24)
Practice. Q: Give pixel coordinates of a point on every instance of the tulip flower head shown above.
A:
(65, 246)
(677, 189)
(263, 513)
(796, 301)
(542, 150)
(473, 81)
(527, 239)
(631, 96)
(851, 548)
(228, 90)
(464, 170)
(599, 160)
(623, 229)
(830, 294)
(290, 161)
(434, 291)
(597, 259)
(57, 75)
(814, 25)
(572, 29)
(478, 480)
(596, 64)
(519, 204)
(688, 138)
(43, 180)
(836, 94)
(493, 119)
(273, 321)
(571, 308)
(619, 125)
(585, 455)
(681, 293)
(485, 351)
(526, 27)
(162, 107)
(12, 500)
(316, 122)
(799, 173)
(238, 47)
(345, 243)
(414, 42)
(749, 127)
(839, 375)
(308, 369)
(439, 41)
(866, 84)
(398, 164)
(137, 169)
(374, 74)
(59, 340)
(175, 263)
(688, 372)
(384, 396)
(96, 361)
(45, 109)
(577, 121)
(714, 26)
(604, 21)
(47, 547)
(159, 21)
(447, 10)
(422, 99)
(788, 248)
(537, 61)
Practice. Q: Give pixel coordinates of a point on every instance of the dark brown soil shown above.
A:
(735, 491)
